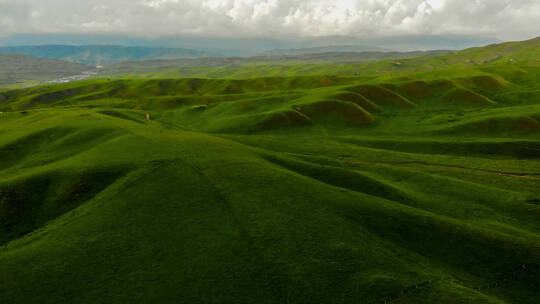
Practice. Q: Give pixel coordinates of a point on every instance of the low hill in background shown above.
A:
(226, 67)
(18, 69)
(324, 49)
(369, 64)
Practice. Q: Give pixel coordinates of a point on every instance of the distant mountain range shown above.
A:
(245, 47)
(103, 54)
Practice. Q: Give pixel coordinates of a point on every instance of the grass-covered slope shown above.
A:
(314, 189)
(130, 210)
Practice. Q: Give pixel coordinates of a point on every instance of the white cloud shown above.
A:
(436, 4)
(504, 19)
(157, 3)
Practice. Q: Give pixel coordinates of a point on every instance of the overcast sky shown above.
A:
(502, 19)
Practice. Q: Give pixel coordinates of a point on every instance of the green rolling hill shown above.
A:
(415, 186)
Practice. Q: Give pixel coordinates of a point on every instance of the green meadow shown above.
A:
(410, 181)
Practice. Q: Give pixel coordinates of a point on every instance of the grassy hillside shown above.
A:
(414, 188)
(23, 69)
